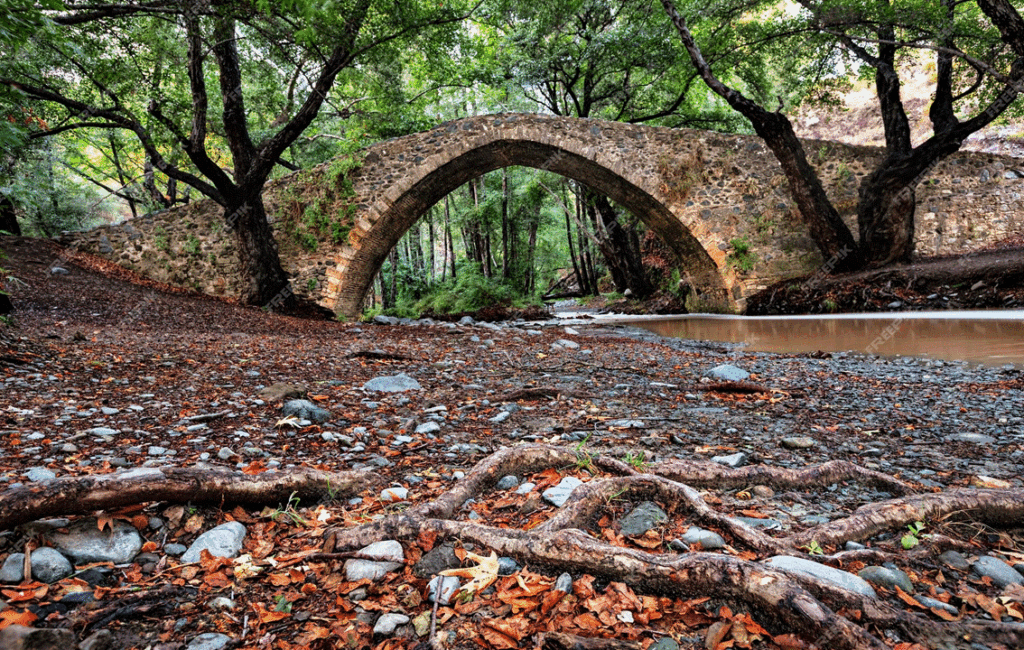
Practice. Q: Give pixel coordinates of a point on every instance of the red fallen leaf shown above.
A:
(141, 522)
(105, 521)
(514, 628)
(280, 579)
(255, 467)
(552, 598)
(587, 621)
(427, 539)
(269, 615)
(790, 642)
(716, 635)
(13, 617)
(212, 563)
(217, 580)
(753, 513)
(650, 539)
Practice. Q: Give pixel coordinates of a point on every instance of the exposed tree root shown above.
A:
(715, 475)
(787, 602)
(1000, 508)
(63, 496)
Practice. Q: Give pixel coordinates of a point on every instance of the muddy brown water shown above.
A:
(993, 338)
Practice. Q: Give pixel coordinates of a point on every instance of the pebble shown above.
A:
(447, 585)
(728, 372)
(384, 557)
(399, 383)
(557, 495)
(84, 542)
(739, 459)
(36, 474)
(955, 560)
(885, 577)
(798, 442)
(223, 541)
(707, 539)
(209, 641)
(305, 410)
(664, 643)
(428, 427)
(1001, 573)
(391, 494)
(563, 583)
(386, 624)
(507, 483)
(641, 519)
(500, 417)
(937, 604)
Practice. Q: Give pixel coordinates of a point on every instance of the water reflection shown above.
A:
(992, 338)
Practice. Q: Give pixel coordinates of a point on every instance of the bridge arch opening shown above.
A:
(422, 193)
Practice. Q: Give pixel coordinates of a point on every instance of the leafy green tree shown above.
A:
(978, 50)
(187, 78)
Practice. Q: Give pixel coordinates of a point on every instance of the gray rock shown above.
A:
(12, 572)
(500, 417)
(627, 424)
(507, 566)
(798, 442)
(442, 588)
(368, 569)
(84, 542)
(58, 270)
(937, 604)
(428, 427)
(1001, 573)
(955, 560)
(888, 578)
(641, 519)
(1019, 568)
(525, 488)
(387, 623)
(854, 546)
(739, 459)
(209, 641)
(174, 550)
(564, 583)
(226, 453)
(19, 637)
(570, 345)
(727, 372)
(305, 410)
(392, 384)
(390, 494)
(381, 319)
(281, 391)
(557, 495)
(105, 432)
(842, 579)
(466, 320)
(49, 566)
(223, 541)
(436, 560)
(507, 483)
(664, 643)
(757, 522)
(976, 438)
(109, 410)
(37, 474)
(708, 540)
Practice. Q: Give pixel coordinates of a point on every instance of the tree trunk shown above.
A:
(885, 215)
(8, 216)
(620, 249)
(264, 282)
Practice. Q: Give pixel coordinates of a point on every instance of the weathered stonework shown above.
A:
(699, 190)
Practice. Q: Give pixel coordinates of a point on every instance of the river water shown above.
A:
(992, 338)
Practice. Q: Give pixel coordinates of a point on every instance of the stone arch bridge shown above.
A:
(708, 195)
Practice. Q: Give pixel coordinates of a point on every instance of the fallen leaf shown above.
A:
(13, 617)
(482, 576)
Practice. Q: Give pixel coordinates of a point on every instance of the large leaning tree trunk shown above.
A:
(619, 246)
(210, 32)
(826, 227)
(887, 198)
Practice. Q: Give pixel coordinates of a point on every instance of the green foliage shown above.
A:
(637, 461)
(912, 538)
(161, 241)
(741, 256)
(193, 246)
(470, 292)
(814, 548)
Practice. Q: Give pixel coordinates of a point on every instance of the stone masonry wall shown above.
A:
(724, 189)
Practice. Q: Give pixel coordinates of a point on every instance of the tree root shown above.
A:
(709, 474)
(788, 602)
(76, 495)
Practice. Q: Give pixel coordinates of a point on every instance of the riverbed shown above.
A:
(991, 337)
